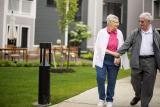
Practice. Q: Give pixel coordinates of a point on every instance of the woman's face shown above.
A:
(114, 25)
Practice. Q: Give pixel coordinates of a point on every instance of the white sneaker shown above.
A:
(109, 104)
(101, 103)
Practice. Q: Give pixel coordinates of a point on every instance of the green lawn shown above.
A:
(19, 85)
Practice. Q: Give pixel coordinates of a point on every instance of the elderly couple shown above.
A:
(110, 53)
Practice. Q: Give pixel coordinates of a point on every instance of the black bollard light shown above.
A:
(44, 74)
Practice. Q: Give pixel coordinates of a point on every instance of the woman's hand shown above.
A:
(115, 54)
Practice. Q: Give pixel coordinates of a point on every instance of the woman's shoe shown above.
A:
(109, 104)
(101, 103)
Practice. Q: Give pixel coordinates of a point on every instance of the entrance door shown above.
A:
(119, 8)
(24, 38)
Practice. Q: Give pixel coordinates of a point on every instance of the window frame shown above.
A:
(153, 9)
(20, 11)
(50, 3)
(113, 3)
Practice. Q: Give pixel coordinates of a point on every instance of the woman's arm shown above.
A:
(115, 54)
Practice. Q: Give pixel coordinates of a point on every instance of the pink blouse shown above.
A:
(113, 41)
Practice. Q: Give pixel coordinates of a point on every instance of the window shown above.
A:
(12, 31)
(13, 5)
(51, 3)
(156, 9)
(158, 29)
(23, 7)
(12, 34)
(110, 7)
(26, 7)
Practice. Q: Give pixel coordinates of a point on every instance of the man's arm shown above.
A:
(128, 43)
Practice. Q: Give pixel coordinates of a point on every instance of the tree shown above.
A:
(67, 10)
(79, 34)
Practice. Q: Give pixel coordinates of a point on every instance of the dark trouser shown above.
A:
(143, 80)
(111, 71)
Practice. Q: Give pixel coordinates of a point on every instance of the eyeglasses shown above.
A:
(141, 21)
(115, 22)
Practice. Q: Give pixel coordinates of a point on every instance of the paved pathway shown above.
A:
(123, 95)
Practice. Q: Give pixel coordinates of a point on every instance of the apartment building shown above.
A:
(17, 20)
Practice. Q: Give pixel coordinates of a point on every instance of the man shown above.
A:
(145, 59)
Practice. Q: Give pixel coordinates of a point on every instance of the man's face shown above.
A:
(144, 24)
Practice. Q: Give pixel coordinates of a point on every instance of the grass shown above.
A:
(19, 85)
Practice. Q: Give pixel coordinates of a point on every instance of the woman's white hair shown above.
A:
(146, 15)
(111, 18)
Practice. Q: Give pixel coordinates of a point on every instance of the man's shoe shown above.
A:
(135, 100)
(101, 103)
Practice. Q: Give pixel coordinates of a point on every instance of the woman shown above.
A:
(109, 39)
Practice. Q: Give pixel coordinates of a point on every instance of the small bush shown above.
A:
(6, 63)
(88, 55)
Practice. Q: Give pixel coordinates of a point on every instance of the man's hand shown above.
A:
(117, 61)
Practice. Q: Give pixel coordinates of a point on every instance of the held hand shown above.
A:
(116, 54)
(117, 61)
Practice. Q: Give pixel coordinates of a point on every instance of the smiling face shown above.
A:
(112, 22)
(144, 23)
(113, 25)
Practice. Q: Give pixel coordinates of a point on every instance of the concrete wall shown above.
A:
(94, 19)
(84, 18)
(84, 11)
(1, 21)
(123, 25)
(134, 10)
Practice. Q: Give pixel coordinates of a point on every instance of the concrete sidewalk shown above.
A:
(123, 95)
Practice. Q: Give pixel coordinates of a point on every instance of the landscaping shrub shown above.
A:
(36, 63)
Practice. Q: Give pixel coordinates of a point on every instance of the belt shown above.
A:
(146, 56)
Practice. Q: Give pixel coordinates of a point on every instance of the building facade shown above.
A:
(17, 21)
(98, 11)
(46, 27)
(36, 21)
(153, 6)
(128, 12)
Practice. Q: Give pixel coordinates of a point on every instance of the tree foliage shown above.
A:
(79, 33)
(66, 17)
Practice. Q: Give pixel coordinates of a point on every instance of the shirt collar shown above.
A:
(113, 32)
(149, 30)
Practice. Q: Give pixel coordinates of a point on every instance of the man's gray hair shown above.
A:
(111, 18)
(146, 15)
